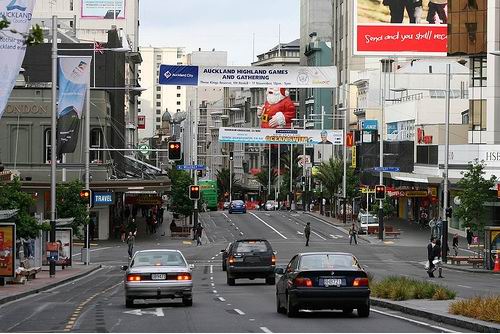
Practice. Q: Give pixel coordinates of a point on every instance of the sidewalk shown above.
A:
(43, 282)
(436, 310)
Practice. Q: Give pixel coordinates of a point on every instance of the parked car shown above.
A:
(271, 206)
(366, 220)
(225, 253)
(158, 273)
(323, 280)
(237, 206)
(251, 258)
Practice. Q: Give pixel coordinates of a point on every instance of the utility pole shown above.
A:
(344, 180)
(384, 64)
(444, 234)
(304, 189)
(53, 148)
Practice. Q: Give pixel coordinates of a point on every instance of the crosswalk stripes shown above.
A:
(336, 236)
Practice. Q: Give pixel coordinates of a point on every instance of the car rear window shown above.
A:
(328, 262)
(145, 259)
(251, 247)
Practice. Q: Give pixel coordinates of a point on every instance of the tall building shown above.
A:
(158, 99)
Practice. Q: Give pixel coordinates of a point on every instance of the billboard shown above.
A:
(400, 27)
(103, 9)
(61, 250)
(280, 136)
(7, 249)
(248, 76)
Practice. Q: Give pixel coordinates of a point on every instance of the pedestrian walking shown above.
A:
(430, 257)
(469, 235)
(123, 232)
(161, 213)
(352, 234)
(199, 231)
(437, 250)
(130, 243)
(307, 232)
(455, 244)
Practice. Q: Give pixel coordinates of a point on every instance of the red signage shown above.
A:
(349, 139)
(7, 250)
(141, 122)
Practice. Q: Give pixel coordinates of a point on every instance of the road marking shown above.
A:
(213, 284)
(272, 228)
(215, 291)
(301, 233)
(158, 312)
(265, 330)
(212, 269)
(240, 312)
(213, 257)
(222, 299)
(224, 214)
(465, 286)
(186, 242)
(212, 278)
(333, 236)
(414, 321)
(92, 250)
(241, 233)
(318, 235)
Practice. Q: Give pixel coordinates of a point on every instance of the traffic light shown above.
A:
(303, 179)
(174, 150)
(449, 212)
(194, 192)
(231, 155)
(86, 196)
(199, 173)
(380, 192)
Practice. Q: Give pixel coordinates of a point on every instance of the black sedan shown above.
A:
(323, 280)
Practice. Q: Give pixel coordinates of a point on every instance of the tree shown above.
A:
(12, 197)
(296, 170)
(352, 184)
(70, 205)
(181, 203)
(223, 177)
(263, 178)
(330, 174)
(35, 36)
(474, 192)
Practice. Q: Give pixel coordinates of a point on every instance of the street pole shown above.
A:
(269, 174)
(87, 167)
(279, 173)
(304, 194)
(291, 176)
(195, 156)
(381, 141)
(444, 234)
(321, 205)
(230, 180)
(344, 180)
(53, 148)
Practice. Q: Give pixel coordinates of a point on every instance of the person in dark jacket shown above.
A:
(468, 230)
(455, 244)
(437, 256)
(307, 232)
(430, 256)
(397, 7)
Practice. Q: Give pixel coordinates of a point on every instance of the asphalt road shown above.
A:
(96, 303)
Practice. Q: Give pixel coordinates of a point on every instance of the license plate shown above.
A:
(238, 259)
(156, 277)
(332, 282)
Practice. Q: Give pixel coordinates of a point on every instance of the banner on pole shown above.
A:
(74, 78)
(12, 47)
(248, 76)
(280, 136)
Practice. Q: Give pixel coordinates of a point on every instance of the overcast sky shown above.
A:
(226, 25)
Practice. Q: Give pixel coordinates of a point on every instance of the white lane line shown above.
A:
(213, 284)
(222, 299)
(333, 236)
(301, 233)
(211, 269)
(272, 228)
(318, 235)
(465, 286)
(240, 312)
(225, 215)
(414, 321)
(92, 250)
(212, 278)
(213, 257)
(265, 330)
(215, 291)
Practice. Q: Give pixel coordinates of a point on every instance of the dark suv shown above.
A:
(251, 258)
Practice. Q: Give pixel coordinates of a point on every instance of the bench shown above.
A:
(24, 273)
(180, 231)
(458, 259)
(394, 234)
(475, 261)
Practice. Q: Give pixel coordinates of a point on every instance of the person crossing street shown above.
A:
(352, 234)
(130, 243)
(307, 232)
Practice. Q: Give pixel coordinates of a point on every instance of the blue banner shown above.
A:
(178, 75)
(102, 198)
(369, 124)
(12, 47)
(74, 78)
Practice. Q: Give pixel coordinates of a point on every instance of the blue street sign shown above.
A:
(178, 75)
(102, 198)
(191, 167)
(386, 169)
(369, 124)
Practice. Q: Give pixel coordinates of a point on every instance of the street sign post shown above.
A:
(191, 167)
(385, 169)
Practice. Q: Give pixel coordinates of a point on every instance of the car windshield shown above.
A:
(158, 258)
(251, 247)
(238, 202)
(328, 262)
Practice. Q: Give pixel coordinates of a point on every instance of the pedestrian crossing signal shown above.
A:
(380, 192)
(86, 196)
(174, 151)
(194, 192)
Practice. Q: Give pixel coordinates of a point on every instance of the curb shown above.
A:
(47, 287)
(469, 270)
(473, 325)
(339, 227)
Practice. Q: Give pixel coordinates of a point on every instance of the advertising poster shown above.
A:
(61, 250)
(12, 47)
(401, 27)
(7, 249)
(280, 136)
(248, 76)
(103, 9)
(73, 77)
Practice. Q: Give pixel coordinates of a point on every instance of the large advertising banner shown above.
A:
(103, 9)
(62, 249)
(7, 249)
(401, 27)
(248, 76)
(12, 47)
(280, 136)
(74, 78)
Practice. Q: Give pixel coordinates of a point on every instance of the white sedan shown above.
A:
(366, 220)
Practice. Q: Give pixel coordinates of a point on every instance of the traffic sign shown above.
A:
(386, 169)
(191, 167)
(367, 191)
(144, 148)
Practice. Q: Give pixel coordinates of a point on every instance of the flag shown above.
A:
(74, 79)
(98, 48)
(12, 47)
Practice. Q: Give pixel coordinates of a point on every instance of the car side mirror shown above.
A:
(124, 267)
(191, 266)
(280, 271)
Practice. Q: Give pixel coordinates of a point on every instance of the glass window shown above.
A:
(158, 258)
(178, 87)
(465, 117)
(158, 57)
(158, 96)
(47, 147)
(178, 103)
(96, 141)
(478, 71)
(158, 119)
(158, 111)
(178, 110)
(477, 110)
(251, 247)
(328, 262)
(158, 104)
(178, 95)
(158, 88)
